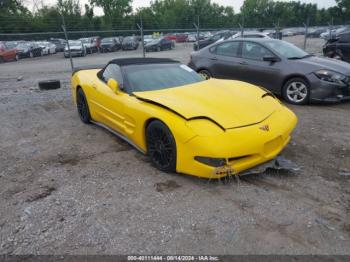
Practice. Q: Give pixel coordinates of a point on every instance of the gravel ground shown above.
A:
(70, 188)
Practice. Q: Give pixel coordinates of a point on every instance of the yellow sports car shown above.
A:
(207, 128)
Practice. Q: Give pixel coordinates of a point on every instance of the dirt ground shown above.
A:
(70, 188)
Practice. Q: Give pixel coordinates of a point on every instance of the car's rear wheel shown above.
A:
(161, 146)
(296, 91)
(205, 73)
(82, 106)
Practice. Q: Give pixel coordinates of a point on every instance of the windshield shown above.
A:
(156, 41)
(128, 39)
(159, 76)
(107, 40)
(286, 50)
(23, 45)
(74, 43)
(10, 45)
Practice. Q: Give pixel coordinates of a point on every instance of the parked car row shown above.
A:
(14, 50)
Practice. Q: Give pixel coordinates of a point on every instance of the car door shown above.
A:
(109, 106)
(255, 70)
(224, 60)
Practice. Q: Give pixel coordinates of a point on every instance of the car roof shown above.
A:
(141, 61)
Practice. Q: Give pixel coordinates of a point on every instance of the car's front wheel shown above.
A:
(205, 73)
(82, 106)
(161, 146)
(296, 91)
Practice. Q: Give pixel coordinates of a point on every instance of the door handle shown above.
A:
(243, 63)
(213, 58)
(94, 86)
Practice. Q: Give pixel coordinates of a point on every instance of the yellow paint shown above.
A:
(214, 118)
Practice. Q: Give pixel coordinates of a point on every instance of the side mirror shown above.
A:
(271, 59)
(113, 84)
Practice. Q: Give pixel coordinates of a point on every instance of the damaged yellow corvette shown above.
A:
(207, 128)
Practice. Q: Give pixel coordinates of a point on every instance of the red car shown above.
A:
(181, 38)
(170, 37)
(7, 53)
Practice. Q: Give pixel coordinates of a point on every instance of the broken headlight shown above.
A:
(331, 76)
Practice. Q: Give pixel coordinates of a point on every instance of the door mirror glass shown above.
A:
(113, 84)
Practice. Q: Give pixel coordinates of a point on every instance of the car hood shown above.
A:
(230, 104)
(314, 63)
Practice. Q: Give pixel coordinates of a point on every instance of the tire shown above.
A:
(159, 49)
(31, 55)
(16, 57)
(82, 107)
(296, 91)
(2, 60)
(41, 53)
(205, 73)
(161, 146)
(49, 84)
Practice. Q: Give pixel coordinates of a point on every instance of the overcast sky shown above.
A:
(236, 4)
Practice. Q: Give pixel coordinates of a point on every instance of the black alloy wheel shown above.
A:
(161, 146)
(82, 106)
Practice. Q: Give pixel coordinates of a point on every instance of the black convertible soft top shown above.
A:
(127, 61)
(141, 61)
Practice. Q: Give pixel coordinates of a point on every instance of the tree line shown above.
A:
(15, 16)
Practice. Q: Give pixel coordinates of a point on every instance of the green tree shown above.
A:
(114, 10)
(344, 9)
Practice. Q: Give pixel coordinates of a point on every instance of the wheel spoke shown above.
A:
(302, 95)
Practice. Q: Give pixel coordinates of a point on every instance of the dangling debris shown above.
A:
(280, 163)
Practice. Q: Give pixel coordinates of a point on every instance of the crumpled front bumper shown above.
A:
(243, 148)
(325, 92)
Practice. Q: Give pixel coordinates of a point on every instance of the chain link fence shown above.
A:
(304, 36)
